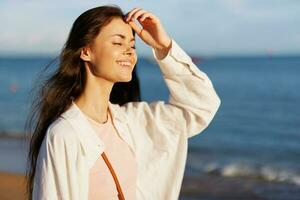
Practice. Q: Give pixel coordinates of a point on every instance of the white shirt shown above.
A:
(157, 133)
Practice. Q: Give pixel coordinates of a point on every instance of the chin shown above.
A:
(127, 79)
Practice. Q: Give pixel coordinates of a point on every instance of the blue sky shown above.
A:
(201, 27)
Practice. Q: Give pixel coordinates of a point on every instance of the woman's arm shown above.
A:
(193, 101)
(191, 90)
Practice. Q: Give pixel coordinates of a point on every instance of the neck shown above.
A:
(95, 98)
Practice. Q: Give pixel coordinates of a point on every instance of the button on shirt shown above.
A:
(101, 182)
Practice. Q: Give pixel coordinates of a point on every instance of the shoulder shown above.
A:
(61, 130)
(131, 111)
(148, 109)
(152, 114)
(141, 106)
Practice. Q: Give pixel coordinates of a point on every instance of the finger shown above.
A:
(148, 15)
(131, 17)
(153, 17)
(135, 27)
(138, 14)
(144, 16)
(131, 13)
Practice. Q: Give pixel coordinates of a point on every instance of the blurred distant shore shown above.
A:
(13, 135)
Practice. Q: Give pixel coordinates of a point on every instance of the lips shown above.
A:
(125, 63)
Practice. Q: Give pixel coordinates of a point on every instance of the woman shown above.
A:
(85, 147)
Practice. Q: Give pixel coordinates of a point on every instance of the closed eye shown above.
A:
(121, 45)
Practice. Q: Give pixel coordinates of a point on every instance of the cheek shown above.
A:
(106, 58)
(111, 55)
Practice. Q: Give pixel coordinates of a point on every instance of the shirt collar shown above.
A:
(86, 133)
(114, 109)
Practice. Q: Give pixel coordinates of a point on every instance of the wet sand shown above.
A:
(214, 187)
(210, 187)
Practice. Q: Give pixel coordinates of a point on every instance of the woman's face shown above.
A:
(112, 54)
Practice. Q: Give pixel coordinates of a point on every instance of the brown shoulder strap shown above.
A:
(120, 193)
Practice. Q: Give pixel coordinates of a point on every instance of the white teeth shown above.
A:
(124, 63)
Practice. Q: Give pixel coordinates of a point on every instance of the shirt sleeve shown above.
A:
(55, 177)
(192, 102)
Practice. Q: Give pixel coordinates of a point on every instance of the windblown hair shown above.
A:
(67, 82)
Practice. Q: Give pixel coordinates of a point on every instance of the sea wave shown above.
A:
(264, 172)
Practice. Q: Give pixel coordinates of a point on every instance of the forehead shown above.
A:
(115, 27)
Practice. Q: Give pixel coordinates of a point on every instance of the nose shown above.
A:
(129, 51)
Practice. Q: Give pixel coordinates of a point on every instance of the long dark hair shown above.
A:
(68, 80)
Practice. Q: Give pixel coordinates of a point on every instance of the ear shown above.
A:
(86, 54)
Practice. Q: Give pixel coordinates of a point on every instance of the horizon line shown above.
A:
(20, 56)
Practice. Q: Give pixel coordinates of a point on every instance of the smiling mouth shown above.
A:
(124, 63)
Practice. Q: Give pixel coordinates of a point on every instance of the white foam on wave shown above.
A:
(247, 170)
(238, 170)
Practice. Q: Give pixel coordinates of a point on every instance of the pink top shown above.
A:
(102, 185)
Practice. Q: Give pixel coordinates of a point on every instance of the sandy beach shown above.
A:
(12, 186)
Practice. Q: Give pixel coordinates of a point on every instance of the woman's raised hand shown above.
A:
(152, 31)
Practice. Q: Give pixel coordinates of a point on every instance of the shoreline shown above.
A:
(13, 135)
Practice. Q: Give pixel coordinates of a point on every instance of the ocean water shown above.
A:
(254, 135)
(256, 132)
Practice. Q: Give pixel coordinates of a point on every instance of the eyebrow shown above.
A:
(123, 36)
